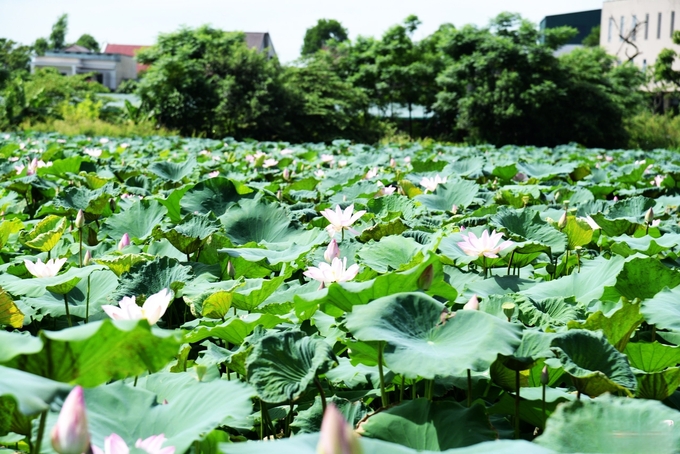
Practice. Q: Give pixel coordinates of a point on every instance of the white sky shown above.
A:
(140, 21)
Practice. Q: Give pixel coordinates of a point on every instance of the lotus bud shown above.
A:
(279, 195)
(332, 251)
(124, 242)
(562, 223)
(113, 204)
(649, 216)
(454, 209)
(525, 200)
(231, 272)
(472, 305)
(545, 377)
(393, 163)
(508, 309)
(80, 219)
(70, 434)
(87, 259)
(286, 174)
(425, 279)
(336, 436)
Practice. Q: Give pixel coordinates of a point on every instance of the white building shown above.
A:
(638, 30)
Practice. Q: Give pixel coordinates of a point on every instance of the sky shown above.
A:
(140, 21)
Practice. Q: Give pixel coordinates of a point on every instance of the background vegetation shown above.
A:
(500, 84)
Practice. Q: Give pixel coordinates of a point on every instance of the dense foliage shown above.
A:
(472, 295)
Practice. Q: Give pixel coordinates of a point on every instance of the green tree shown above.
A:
(207, 81)
(317, 36)
(88, 42)
(663, 67)
(14, 59)
(502, 85)
(40, 46)
(58, 34)
(593, 38)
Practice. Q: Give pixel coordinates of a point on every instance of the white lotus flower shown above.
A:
(271, 162)
(337, 271)
(591, 222)
(430, 184)
(484, 246)
(472, 304)
(49, 269)
(152, 310)
(337, 436)
(332, 251)
(114, 444)
(341, 220)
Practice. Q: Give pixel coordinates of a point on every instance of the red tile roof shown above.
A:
(126, 49)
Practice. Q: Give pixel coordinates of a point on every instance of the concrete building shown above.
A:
(637, 30)
(110, 69)
(583, 21)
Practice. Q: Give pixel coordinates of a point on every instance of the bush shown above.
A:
(648, 131)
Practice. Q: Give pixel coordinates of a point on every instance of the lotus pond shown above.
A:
(441, 298)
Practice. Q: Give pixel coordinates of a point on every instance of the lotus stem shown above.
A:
(429, 389)
(321, 393)
(486, 270)
(512, 256)
(80, 252)
(401, 389)
(544, 405)
(653, 333)
(469, 390)
(87, 300)
(517, 405)
(289, 419)
(566, 264)
(262, 420)
(68, 314)
(41, 432)
(383, 393)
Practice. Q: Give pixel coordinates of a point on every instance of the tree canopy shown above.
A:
(317, 36)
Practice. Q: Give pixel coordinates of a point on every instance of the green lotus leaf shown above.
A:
(138, 221)
(618, 327)
(418, 343)
(578, 232)
(528, 225)
(595, 366)
(173, 171)
(424, 425)
(589, 284)
(662, 310)
(216, 195)
(191, 233)
(535, 345)
(76, 198)
(544, 171)
(281, 252)
(610, 424)
(531, 404)
(340, 298)
(123, 263)
(652, 357)
(13, 344)
(32, 393)
(309, 421)
(217, 305)
(37, 286)
(634, 282)
(389, 253)
(628, 245)
(64, 287)
(255, 291)
(10, 314)
(234, 330)
(191, 412)
(658, 385)
(46, 233)
(98, 352)
(548, 312)
(460, 193)
(282, 366)
(147, 278)
(8, 228)
(63, 167)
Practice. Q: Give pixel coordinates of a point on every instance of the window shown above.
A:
(646, 26)
(611, 25)
(623, 23)
(672, 22)
(633, 30)
(644, 65)
(658, 28)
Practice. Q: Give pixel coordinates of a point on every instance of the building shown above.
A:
(583, 21)
(637, 30)
(117, 62)
(109, 69)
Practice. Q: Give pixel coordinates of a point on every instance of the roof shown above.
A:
(77, 48)
(127, 49)
(260, 41)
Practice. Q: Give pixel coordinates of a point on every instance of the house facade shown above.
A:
(637, 30)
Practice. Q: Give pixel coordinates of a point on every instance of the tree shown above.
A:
(14, 59)
(88, 42)
(593, 38)
(40, 46)
(663, 67)
(317, 36)
(502, 85)
(208, 82)
(58, 35)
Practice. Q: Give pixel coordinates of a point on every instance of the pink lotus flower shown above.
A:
(124, 242)
(332, 251)
(472, 304)
(152, 310)
(341, 220)
(337, 437)
(485, 246)
(271, 162)
(430, 184)
(70, 434)
(337, 271)
(114, 444)
(49, 269)
(372, 173)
